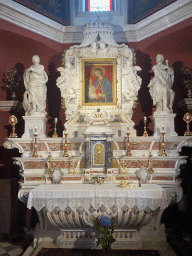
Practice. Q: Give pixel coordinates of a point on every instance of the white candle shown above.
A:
(127, 129)
(123, 153)
(35, 130)
(12, 119)
(55, 120)
(73, 153)
(145, 118)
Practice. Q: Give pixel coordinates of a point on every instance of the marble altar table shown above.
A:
(73, 208)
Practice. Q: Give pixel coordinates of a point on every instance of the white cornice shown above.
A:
(161, 20)
(32, 21)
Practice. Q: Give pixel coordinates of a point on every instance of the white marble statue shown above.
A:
(35, 79)
(66, 83)
(131, 83)
(160, 87)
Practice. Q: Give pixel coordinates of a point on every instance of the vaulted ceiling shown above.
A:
(59, 10)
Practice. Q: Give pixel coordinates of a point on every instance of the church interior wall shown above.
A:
(19, 45)
(18, 48)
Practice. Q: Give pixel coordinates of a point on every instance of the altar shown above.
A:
(74, 209)
(99, 165)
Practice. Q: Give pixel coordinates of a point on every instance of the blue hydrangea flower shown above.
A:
(106, 221)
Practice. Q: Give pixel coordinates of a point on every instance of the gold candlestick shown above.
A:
(163, 143)
(128, 146)
(13, 121)
(35, 146)
(145, 127)
(72, 171)
(187, 118)
(65, 154)
(150, 163)
(123, 171)
(49, 171)
(55, 135)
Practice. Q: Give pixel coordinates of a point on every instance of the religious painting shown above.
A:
(99, 82)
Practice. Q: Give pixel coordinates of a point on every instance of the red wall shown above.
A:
(18, 45)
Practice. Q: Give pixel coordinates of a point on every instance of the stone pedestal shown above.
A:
(165, 119)
(34, 121)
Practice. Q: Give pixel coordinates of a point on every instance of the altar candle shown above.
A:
(55, 120)
(123, 153)
(127, 129)
(35, 130)
(73, 153)
(145, 118)
(12, 119)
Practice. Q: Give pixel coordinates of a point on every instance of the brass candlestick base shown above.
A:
(55, 135)
(128, 146)
(13, 121)
(163, 153)
(65, 153)
(123, 170)
(150, 164)
(145, 134)
(187, 118)
(49, 171)
(73, 171)
(35, 147)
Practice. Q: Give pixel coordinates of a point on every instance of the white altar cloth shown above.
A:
(86, 195)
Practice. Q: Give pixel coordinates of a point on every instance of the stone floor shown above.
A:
(14, 244)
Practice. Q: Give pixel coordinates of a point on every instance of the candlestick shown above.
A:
(49, 171)
(72, 171)
(128, 144)
(145, 127)
(65, 154)
(35, 146)
(13, 121)
(187, 118)
(123, 170)
(163, 142)
(55, 135)
(150, 163)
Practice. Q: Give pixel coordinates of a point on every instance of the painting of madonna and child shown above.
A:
(99, 82)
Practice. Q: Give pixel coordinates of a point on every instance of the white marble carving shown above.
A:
(35, 79)
(34, 121)
(131, 83)
(99, 43)
(164, 119)
(160, 87)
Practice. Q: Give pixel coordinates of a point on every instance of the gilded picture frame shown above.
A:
(99, 81)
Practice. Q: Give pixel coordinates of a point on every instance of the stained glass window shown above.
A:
(99, 5)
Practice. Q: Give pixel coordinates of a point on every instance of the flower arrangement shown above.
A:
(12, 83)
(187, 77)
(98, 179)
(107, 229)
